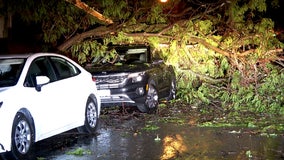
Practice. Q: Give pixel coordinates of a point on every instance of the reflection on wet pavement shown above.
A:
(176, 141)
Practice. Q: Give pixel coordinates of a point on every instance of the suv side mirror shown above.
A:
(158, 61)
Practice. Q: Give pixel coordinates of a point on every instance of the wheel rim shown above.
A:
(152, 97)
(23, 137)
(173, 90)
(92, 115)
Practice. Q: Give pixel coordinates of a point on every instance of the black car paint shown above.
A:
(156, 71)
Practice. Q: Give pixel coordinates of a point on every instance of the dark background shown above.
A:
(28, 37)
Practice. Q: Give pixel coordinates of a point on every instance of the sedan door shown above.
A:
(59, 105)
(43, 103)
(73, 94)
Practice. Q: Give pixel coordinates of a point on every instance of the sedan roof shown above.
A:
(26, 55)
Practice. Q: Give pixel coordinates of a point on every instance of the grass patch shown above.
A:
(79, 152)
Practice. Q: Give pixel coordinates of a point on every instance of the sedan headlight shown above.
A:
(136, 77)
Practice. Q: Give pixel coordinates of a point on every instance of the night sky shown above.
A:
(277, 15)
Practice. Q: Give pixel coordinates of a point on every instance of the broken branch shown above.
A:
(89, 10)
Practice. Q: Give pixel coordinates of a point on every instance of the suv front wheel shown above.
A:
(151, 102)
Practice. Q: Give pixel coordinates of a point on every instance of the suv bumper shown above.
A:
(130, 96)
(118, 98)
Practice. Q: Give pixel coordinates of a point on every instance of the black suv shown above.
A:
(133, 76)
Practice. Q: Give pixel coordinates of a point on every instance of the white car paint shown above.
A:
(58, 107)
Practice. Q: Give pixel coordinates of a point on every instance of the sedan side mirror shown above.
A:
(40, 81)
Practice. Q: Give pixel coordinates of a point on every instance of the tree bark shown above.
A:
(90, 11)
(97, 32)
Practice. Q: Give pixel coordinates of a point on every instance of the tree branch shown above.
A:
(205, 77)
(97, 32)
(194, 39)
(206, 44)
(90, 11)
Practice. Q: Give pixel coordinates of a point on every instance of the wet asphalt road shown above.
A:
(131, 137)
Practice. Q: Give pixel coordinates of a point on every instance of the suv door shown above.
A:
(162, 73)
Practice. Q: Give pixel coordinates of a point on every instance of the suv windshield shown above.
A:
(10, 70)
(122, 56)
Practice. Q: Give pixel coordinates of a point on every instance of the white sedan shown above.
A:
(42, 95)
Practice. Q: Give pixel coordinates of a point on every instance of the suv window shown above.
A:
(136, 55)
(123, 55)
(64, 68)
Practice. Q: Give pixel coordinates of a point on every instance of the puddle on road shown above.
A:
(171, 141)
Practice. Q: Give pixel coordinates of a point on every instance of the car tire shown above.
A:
(151, 102)
(91, 117)
(23, 137)
(173, 88)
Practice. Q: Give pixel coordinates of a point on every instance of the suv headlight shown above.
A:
(136, 77)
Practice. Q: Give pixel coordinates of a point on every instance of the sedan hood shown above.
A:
(112, 69)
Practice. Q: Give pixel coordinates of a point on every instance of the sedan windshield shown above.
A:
(10, 70)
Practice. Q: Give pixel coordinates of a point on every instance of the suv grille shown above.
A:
(111, 81)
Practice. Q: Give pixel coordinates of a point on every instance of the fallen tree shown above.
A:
(224, 50)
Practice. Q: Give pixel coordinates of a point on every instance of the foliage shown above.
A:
(265, 96)
(233, 75)
(113, 8)
(120, 38)
(222, 51)
(156, 15)
(87, 50)
(150, 127)
(79, 152)
(59, 20)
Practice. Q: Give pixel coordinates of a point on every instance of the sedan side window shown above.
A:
(39, 67)
(64, 68)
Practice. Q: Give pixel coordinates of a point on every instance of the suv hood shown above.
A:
(112, 69)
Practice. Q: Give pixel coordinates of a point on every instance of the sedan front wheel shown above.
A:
(22, 136)
(91, 117)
